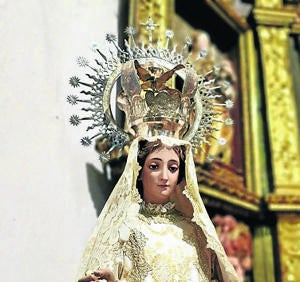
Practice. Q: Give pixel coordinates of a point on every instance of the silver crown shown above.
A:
(151, 102)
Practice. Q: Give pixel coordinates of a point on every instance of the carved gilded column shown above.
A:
(281, 109)
(254, 144)
(273, 30)
(268, 3)
(255, 154)
(289, 245)
(161, 12)
(263, 255)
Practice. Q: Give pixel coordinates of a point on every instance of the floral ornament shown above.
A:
(74, 81)
(222, 141)
(228, 122)
(169, 33)
(86, 141)
(210, 158)
(188, 41)
(94, 46)
(237, 242)
(72, 99)
(130, 220)
(82, 62)
(111, 37)
(111, 229)
(75, 120)
(229, 104)
(130, 30)
(104, 157)
(203, 53)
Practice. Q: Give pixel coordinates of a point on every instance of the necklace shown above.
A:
(152, 209)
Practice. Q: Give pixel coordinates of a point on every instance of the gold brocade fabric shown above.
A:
(174, 249)
(153, 242)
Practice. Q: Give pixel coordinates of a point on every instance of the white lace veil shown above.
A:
(121, 209)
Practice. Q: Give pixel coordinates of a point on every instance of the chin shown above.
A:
(165, 195)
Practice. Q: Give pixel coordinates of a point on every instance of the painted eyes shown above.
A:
(171, 168)
(153, 166)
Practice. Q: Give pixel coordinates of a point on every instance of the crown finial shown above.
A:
(150, 27)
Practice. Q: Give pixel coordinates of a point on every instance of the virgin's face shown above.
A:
(160, 175)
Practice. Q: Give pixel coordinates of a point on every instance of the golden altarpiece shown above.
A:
(260, 185)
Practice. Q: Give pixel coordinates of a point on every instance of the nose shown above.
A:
(164, 174)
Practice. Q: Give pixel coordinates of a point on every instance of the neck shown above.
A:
(163, 202)
(153, 209)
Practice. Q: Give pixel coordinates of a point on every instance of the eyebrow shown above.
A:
(158, 159)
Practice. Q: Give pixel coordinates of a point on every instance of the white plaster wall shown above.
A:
(46, 211)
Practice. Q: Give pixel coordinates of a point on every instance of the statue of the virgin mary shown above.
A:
(154, 226)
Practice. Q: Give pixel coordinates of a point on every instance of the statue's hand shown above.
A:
(182, 203)
(102, 274)
(88, 278)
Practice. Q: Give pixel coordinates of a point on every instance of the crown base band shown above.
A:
(160, 125)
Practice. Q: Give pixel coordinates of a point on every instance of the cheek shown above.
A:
(174, 178)
(147, 176)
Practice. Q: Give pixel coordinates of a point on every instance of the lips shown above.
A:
(163, 185)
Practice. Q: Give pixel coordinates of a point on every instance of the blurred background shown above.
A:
(53, 189)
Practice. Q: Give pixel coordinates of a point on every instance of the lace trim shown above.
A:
(150, 209)
(116, 214)
(134, 250)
